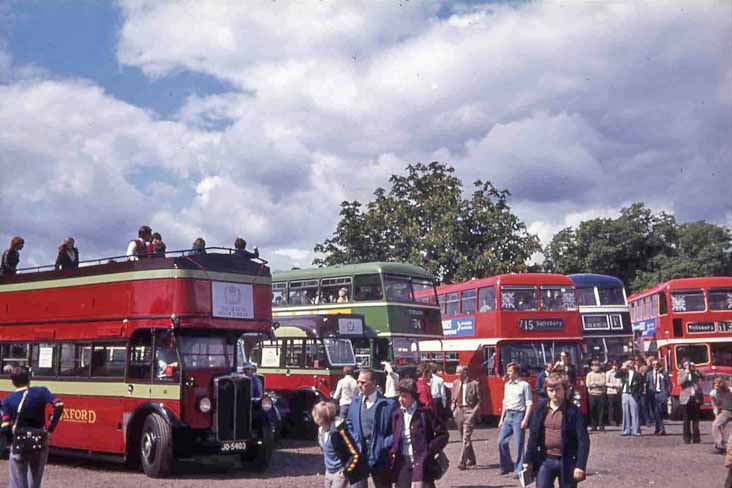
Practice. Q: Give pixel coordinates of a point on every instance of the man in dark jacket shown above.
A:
(558, 444)
(632, 384)
(369, 422)
(659, 389)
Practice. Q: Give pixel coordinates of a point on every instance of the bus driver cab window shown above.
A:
(489, 360)
(166, 363)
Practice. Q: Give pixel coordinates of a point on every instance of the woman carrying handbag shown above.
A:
(419, 438)
(24, 423)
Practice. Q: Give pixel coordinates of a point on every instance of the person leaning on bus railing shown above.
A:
(68, 255)
(690, 398)
(198, 247)
(11, 257)
(26, 470)
(240, 249)
(137, 248)
(157, 247)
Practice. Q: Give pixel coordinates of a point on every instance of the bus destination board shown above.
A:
(534, 325)
(709, 327)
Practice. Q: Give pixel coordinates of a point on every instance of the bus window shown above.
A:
(269, 354)
(167, 367)
(587, 297)
(303, 293)
(330, 290)
(441, 301)
(451, 306)
(108, 360)
(654, 306)
(616, 321)
(367, 287)
(532, 356)
(720, 299)
(696, 353)
(489, 360)
(662, 304)
(340, 352)
(294, 354)
(406, 350)
(424, 290)
(647, 308)
(279, 294)
(611, 296)
(467, 302)
(519, 298)
(687, 301)
(721, 354)
(75, 360)
(398, 289)
(43, 359)
(487, 299)
(140, 356)
(14, 355)
(558, 298)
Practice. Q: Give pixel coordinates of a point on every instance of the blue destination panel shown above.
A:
(458, 327)
(647, 328)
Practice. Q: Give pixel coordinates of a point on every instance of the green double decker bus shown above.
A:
(398, 301)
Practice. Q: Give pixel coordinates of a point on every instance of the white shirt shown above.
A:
(406, 441)
(391, 381)
(371, 399)
(346, 390)
(437, 388)
(517, 395)
(626, 388)
(132, 250)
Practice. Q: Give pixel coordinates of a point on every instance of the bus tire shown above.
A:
(156, 447)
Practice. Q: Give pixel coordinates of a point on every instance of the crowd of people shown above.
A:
(148, 244)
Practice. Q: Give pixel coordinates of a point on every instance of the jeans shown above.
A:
(27, 472)
(631, 412)
(511, 428)
(597, 411)
(690, 417)
(550, 470)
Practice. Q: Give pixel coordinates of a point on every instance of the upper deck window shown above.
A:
(335, 290)
(487, 299)
(611, 296)
(467, 301)
(398, 289)
(687, 301)
(441, 301)
(303, 292)
(557, 298)
(367, 287)
(424, 290)
(451, 304)
(720, 299)
(662, 303)
(279, 294)
(587, 297)
(519, 297)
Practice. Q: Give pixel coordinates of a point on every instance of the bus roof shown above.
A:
(352, 269)
(509, 279)
(685, 284)
(589, 280)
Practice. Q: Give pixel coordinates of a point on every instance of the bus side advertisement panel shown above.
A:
(463, 327)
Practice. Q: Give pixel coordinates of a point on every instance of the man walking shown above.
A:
(466, 399)
(370, 426)
(558, 444)
(517, 402)
(596, 390)
(26, 408)
(722, 403)
(659, 389)
(345, 391)
(631, 391)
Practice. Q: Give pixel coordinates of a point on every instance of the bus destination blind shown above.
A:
(535, 325)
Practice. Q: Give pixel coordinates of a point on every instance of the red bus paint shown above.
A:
(487, 323)
(96, 336)
(690, 317)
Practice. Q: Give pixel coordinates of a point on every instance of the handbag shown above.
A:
(27, 440)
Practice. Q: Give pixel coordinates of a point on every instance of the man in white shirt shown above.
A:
(517, 404)
(137, 248)
(346, 390)
(437, 388)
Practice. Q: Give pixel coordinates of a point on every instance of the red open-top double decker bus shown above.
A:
(143, 354)
(689, 318)
(487, 323)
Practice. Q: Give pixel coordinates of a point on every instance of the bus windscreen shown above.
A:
(340, 352)
(532, 356)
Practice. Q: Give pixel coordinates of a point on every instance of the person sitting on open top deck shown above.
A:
(240, 249)
(157, 247)
(137, 248)
(11, 257)
(199, 247)
(68, 255)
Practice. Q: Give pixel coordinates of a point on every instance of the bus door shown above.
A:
(492, 384)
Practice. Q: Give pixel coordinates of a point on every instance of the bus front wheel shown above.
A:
(156, 447)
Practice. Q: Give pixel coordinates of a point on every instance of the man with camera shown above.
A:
(691, 398)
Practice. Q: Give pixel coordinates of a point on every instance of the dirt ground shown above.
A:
(615, 461)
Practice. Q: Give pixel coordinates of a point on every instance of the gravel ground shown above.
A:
(615, 461)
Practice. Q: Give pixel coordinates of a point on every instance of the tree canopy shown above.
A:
(641, 248)
(424, 219)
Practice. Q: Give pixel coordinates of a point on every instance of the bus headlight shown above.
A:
(204, 405)
(266, 404)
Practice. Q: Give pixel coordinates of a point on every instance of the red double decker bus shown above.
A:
(144, 355)
(687, 319)
(487, 323)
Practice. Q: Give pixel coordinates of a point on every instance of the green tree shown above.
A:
(423, 219)
(641, 248)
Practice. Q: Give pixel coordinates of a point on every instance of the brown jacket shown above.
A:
(472, 394)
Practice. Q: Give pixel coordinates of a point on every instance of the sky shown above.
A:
(220, 118)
